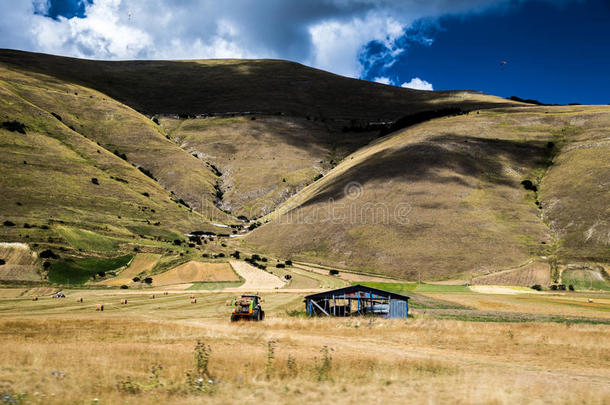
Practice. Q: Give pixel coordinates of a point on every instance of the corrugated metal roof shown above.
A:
(355, 289)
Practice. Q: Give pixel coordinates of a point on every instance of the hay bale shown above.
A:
(165, 293)
(193, 300)
(79, 299)
(192, 296)
(35, 299)
(152, 297)
(124, 301)
(99, 307)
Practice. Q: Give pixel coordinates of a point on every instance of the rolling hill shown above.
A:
(101, 158)
(475, 193)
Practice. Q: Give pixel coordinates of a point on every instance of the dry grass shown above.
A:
(192, 272)
(529, 275)
(76, 358)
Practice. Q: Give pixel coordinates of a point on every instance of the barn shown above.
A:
(357, 300)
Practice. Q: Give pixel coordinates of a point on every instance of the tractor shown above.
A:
(247, 307)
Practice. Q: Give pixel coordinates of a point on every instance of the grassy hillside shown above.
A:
(236, 86)
(447, 197)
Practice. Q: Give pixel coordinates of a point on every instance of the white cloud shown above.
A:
(417, 84)
(328, 34)
(382, 80)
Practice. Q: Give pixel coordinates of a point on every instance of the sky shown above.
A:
(554, 51)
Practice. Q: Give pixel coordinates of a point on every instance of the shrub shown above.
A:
(56, 116)
(537, 287)
(220, 255)
(554, 287)
(2, 262)
(27, 226)
(264, 259)
(288, 262)
(177, 242)
(280, 266)
(147, 172)
(95, 181)
(124, 287)
(562, 287)
(155, 120)
(135, 279)
(14, 126)
(145, 194)
(121, 155)
(571, 287)
(46, 265)
(255, 257)
(205, 255)
(318, 177)
(101, 273)
(242, 218)
(528, 185)
(333, 272)
(48, 254)
(148, 280)
(235, 254)
(9, 223)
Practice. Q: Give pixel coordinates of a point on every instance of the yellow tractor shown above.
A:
(247, 307)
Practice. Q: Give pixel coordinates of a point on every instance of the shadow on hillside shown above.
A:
(264, 86)
(429, 161)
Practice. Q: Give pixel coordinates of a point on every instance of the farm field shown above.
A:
(63, 351)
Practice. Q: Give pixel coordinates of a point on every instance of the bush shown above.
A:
(177, 242)
(14, 126)
(101, 273)
(95, 181)
(537, 287)
(205, 255)
(528, 185)
(46, 265)
(554, 287)
(235, 254)
(27, 226)
(145, 194)
(255, 257)
(2, 262)
(571, 287)
(333, 272)
(121, 155)
(124, 287)
(318, 177)
(135, 279)
(220, 255)
(147, 173)
(288, 262)
(48, 254)
(264, 259)
(9, 223)
(562, 287)
(280, 266)
(148, 280)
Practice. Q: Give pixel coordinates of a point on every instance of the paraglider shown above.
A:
(129, 16)
(503, 63)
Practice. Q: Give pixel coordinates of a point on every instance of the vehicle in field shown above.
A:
(247, 307)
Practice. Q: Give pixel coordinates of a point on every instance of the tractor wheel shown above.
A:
(256, 315)
(262, 315)
(234, 318)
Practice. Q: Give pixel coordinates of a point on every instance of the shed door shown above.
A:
(398, 309)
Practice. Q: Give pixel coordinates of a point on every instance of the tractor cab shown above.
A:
(247, 307)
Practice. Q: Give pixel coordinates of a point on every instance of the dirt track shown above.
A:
(256, 279)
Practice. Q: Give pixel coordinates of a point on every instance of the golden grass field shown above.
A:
(193, 271)
(61, 351)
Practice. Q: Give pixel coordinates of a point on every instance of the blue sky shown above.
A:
(553, 54)
(557, 51)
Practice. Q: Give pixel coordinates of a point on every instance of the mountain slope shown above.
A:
(446, 197)
(237, 86)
